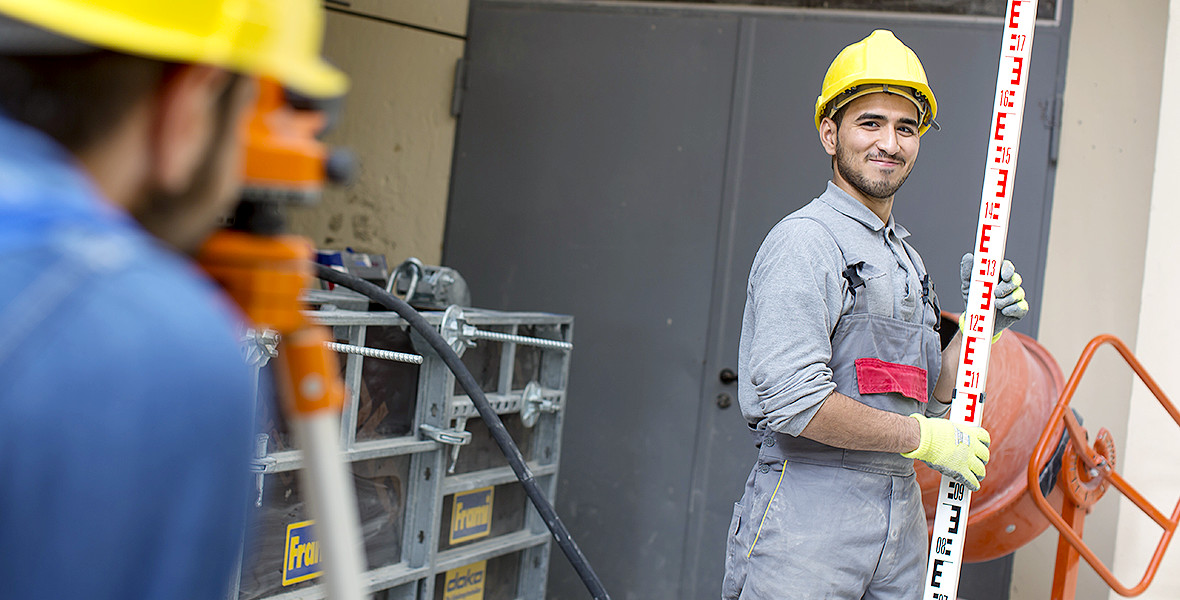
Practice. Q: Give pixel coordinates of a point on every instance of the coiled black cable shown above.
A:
(489, 416)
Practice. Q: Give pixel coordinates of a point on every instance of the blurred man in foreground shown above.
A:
(126, 411)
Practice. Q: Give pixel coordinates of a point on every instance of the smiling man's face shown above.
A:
(875, 145)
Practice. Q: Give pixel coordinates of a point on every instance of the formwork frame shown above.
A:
(440, 405)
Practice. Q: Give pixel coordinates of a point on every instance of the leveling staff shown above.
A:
(126, 410)
(840, 357)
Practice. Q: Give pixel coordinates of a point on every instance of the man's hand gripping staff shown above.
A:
(956, 450)
(1010, 305)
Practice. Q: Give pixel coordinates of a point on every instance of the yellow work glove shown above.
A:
(955, 450)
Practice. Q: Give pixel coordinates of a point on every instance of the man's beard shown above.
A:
(880, 189)
(169, 215)
(163, 212)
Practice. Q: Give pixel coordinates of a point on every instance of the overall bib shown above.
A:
(818, 522)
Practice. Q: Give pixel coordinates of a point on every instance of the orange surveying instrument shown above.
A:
(264, 271)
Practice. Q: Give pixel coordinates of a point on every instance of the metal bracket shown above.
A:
(982, 396)
(533, 404)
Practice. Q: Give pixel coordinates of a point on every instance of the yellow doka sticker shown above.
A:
(465, 583)
(301, 557)
(471, 515)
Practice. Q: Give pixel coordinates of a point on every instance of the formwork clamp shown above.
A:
(455, 438)
(261, 464)
(450, 437)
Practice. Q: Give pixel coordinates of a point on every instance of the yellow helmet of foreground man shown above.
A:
(274, 38)
(880, 62)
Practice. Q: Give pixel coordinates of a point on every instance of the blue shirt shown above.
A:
(126, 407)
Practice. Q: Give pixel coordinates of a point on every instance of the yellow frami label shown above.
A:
(471, 515)
(301, 557)
(465, 583)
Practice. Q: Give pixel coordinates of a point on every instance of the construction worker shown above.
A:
(126, 411)
(841, 371)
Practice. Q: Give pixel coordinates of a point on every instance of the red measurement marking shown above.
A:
(976, 324)
(1014, 14)
(1006, 98)
(1003, 155)
(987, 267)
(985, 236)
(971, 380)
(969, 350)
(1002, 183)
(972, 403)
(985, 301)
(1018, 41)
(999, 133)
(991, 210)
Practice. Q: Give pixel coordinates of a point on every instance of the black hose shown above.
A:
(489, 416)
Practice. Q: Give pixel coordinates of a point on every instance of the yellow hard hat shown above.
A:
(274, 38)
(880, 62)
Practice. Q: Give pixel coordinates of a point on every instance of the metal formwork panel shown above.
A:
(406, 482)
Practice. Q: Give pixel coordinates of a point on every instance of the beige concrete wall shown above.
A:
(440, 15)
(1149, 460)
(397, 121)
(1094, 268)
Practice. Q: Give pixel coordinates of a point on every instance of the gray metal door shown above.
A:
(621, 163)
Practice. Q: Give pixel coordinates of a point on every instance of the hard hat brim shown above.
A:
(18, 38)
(92, 29)
(317, 79)
(924, 110)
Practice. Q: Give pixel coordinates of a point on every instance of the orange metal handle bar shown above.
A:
(1077, 437)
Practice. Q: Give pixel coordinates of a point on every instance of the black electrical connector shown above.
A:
(489, 416)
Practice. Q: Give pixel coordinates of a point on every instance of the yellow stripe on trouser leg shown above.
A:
(767, 511)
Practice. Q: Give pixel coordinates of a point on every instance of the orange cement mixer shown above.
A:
(1045, 468)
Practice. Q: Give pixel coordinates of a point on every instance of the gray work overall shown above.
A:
(818, 522)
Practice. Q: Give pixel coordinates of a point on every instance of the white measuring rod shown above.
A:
(954, 499)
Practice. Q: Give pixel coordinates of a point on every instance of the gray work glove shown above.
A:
(1009, 303)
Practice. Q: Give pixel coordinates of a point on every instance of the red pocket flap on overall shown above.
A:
(875, 376)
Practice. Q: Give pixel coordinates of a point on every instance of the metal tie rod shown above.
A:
(509, 338)
(374, 353)
(459, 335)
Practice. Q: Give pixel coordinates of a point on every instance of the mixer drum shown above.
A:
(1023, 384)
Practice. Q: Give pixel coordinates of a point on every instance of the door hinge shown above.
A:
(460, 85)
(1055, 128)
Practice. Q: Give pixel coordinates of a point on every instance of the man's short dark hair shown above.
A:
(76, 99)
(838, 117)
